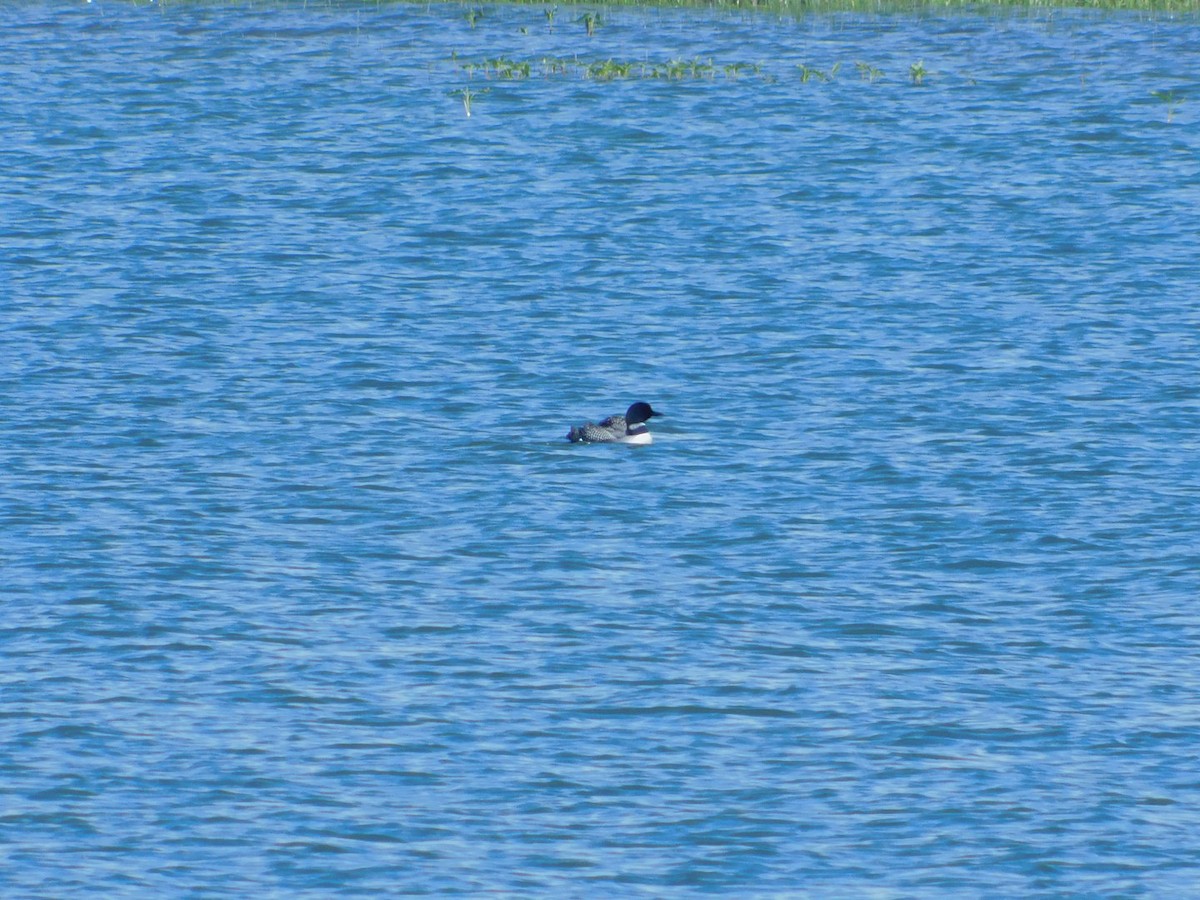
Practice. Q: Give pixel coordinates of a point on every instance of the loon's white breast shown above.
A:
(643, 438)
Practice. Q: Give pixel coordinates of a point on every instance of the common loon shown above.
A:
(627, 429)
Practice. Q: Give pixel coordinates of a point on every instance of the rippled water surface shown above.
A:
(304, 592)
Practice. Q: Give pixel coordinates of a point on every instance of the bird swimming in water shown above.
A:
(627, 429)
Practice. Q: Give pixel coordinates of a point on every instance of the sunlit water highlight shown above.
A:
(304, 592)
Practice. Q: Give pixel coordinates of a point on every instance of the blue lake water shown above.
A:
(304, 592)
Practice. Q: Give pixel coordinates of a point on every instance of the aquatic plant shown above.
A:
(917, 72)
(608, 70)
(473, 16)
(590, 22)
(868, 72)
(504, 68)
(1172, 101)
(808, 73)
(468, 96)
(554, 66)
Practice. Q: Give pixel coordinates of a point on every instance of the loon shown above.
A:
(627, 429)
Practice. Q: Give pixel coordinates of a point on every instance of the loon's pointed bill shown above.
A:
(627, 429)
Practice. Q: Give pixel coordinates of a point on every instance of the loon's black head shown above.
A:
(639, 413)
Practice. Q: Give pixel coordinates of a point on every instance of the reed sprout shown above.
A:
(1171, 100)
(809, 73)
(868, 72)
(917, 72)
(468, 96)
